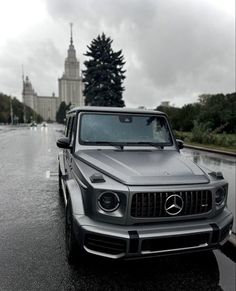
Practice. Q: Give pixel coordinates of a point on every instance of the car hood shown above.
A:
(144, 167)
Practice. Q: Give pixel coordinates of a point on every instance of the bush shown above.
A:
(226, 140)
(184, 136)
(202, 133)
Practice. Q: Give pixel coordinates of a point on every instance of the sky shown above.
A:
(175, 50)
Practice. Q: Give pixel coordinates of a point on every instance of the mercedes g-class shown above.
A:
(129, 192)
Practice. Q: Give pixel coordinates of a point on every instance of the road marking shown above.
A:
(50, 174)
(53, 174)
(47, 174)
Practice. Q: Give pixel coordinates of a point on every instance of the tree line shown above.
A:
(18, 111)
(214, 113)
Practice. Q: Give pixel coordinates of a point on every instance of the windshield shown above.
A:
(127, 129)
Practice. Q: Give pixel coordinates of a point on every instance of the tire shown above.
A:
(73, 252)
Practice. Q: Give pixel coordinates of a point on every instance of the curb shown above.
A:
(210, 150)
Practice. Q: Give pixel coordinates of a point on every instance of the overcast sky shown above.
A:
(175, 50)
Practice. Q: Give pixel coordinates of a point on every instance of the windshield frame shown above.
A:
(122, 144)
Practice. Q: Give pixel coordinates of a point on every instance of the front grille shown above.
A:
(168, 243)
(153, 204)
(105, 244)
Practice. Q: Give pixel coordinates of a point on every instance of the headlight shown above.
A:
(108, 201)
(220, 196)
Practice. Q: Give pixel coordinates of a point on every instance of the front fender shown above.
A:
(74, 195)
(61, 163)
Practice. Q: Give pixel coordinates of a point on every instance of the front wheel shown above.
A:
(73, 252)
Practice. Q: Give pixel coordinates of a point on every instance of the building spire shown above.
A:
(23, 76)
(23, 92)
(71, 33)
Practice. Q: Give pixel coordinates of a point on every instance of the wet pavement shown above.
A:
(218, 162)
(32, 248)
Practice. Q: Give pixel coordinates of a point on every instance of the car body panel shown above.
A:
(145, 167)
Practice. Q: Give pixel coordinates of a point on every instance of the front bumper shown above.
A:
(116, 241)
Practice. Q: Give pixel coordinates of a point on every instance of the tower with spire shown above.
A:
(70, 88)
(28, 94)
(70, 84)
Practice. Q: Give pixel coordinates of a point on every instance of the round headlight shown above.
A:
(220, 196)
(109, 201)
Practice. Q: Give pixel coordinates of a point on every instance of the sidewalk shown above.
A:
(210, 150)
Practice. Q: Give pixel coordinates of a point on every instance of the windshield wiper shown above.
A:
(149, 143)
(118, 145)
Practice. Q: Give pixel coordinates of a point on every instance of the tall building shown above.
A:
(70, 89)
(70, 84)
(28, 93)
(46, 106)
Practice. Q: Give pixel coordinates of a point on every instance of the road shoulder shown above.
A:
(201, 148)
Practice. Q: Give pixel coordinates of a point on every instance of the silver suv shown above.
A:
(130, 193)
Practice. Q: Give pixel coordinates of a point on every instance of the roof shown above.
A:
(114, 109)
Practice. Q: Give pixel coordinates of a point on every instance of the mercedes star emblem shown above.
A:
(174, 204)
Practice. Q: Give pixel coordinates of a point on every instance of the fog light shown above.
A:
(220, 196)
(109, 201)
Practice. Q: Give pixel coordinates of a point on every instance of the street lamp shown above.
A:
(11, 111)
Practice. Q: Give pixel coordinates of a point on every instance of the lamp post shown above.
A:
(11, 111)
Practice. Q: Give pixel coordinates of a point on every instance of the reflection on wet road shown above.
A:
(217, 162)
(32, 250)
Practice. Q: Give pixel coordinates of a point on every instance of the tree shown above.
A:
(173, 114)
(188, 114)
(61, 113)
(212, 113)
(19, 110)
(219, 111)
(104, 74)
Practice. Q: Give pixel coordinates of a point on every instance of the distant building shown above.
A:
(70, 89)
(47, 106)
(70, 84)
(165, 103)
(28, 94)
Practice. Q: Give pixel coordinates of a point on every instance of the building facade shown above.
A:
(70, 84)
(47, 106)
(70, 87)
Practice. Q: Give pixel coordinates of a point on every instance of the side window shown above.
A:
(68, 125)
(72, 129)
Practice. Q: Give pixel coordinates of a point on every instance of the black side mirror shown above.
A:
(180, 144)
(64, 143)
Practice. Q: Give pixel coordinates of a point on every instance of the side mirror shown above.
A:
(180, 144)
(64, 143)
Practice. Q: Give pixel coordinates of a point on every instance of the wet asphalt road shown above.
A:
(32, 249)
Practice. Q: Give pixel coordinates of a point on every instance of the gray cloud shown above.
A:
(175, 50)
(181, 49)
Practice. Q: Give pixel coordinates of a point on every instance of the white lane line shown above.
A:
(48, 174)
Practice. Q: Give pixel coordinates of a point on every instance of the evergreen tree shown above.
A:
(61, 113)
(104, 74)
